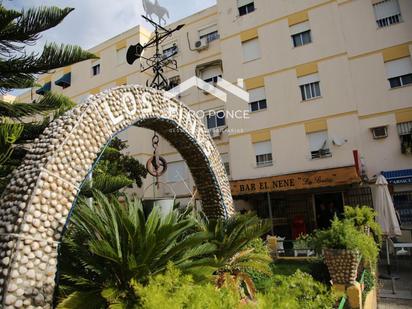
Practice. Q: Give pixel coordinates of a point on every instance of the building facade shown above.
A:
(330, 102)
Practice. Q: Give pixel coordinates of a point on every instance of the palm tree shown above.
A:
(234, 255)
(19, 69)
(110, 243)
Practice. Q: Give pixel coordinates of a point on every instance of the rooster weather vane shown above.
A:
(159, 61)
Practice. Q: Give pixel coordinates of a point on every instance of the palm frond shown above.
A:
(18, 71)
(106, 184)
(9, 134)
(82, 299)
(49, 102)
(7, 16)
(26, 26)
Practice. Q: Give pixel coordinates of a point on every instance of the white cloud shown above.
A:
(95, 21)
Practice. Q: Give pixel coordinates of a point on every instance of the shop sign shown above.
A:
(314, 179)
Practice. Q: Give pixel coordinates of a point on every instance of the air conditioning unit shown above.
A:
(380, 132)
(201, 44)
(215, 133)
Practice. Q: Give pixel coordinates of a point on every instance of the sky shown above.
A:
(95, 21)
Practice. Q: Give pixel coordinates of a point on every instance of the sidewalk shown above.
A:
(402, 299)
(387, 303)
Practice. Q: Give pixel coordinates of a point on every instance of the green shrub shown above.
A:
(314, 267)
(297, 291)
(363, 218)
(369, 283)
(260, 279)
(173, 290)
(344, 235)
(180, 291)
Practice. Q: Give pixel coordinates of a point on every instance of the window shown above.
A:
(245, 6)
(263, 152)
(399, 72)
(309, 86)
(170, 51)
(300, 34)
(215, 120)
(176, 171)
(211, 74)
(387, 12)
(174, 82)
(121, 55)
(257, 99)
(251, 50)
(380, 132)
(209, 33)
(96, 69)
(319, 145)
(405, 134)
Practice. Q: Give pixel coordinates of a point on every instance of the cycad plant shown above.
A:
(21, 122)
(109, 243)
(233, 254)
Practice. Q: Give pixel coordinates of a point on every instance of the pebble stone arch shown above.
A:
(36, 204)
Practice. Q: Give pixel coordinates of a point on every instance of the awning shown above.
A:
(65, 80)
(398, 177)
(298, 181)
(46, 88)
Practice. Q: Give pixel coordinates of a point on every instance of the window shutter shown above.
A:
(386, 9)
(317, 140)
(298, 28)
(398, 67)
(176, 171)
(312, 78)
(405, 128)
(241, 3)
(263, 148)
(207, 30)
(121, 55)
(257, 94)
(251, 50)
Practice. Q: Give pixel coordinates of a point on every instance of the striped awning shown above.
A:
(399, 176)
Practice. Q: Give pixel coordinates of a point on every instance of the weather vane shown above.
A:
(159, 61)
(155, 8)
(156, 165)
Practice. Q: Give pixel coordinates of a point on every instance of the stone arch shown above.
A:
(37, 202)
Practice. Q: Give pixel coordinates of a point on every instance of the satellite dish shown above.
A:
(338, 141)
(133, 53)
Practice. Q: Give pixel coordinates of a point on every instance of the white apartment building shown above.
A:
(331, 101)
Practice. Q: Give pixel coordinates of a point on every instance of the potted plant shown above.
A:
(302, 246)
(364, 219)
(343, 246)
